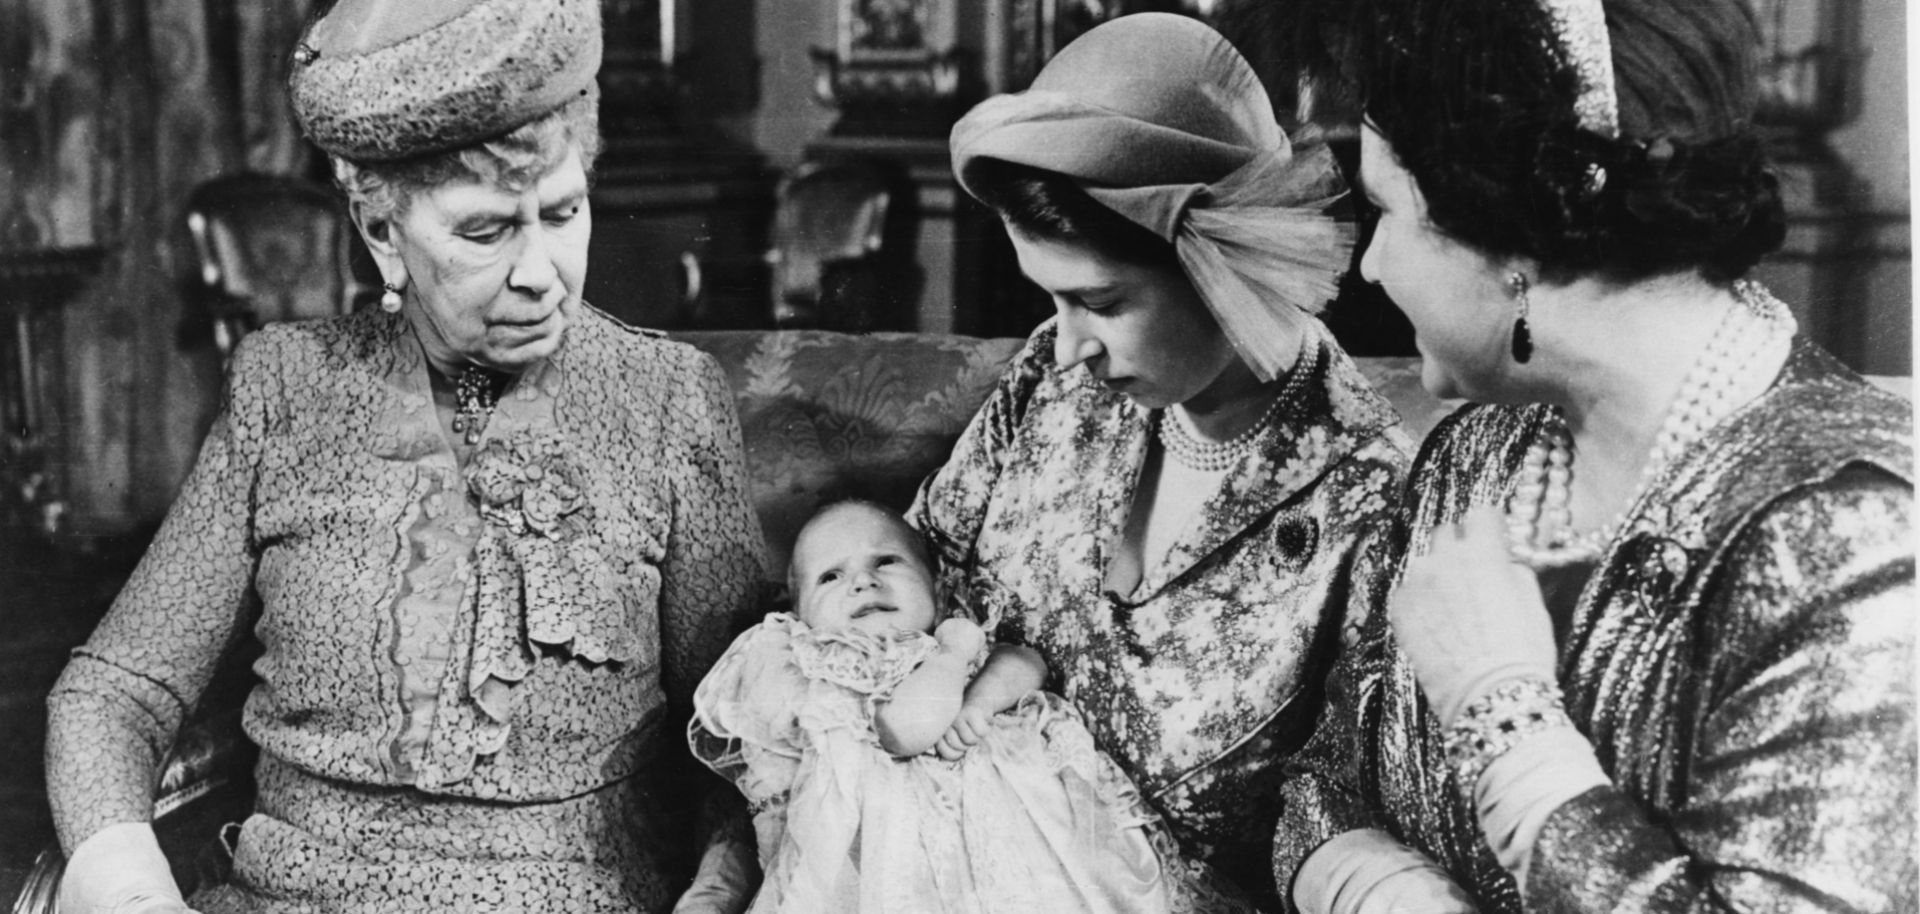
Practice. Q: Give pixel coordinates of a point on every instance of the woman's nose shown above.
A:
(534, 270)
(1072, 344)
(1368, 261)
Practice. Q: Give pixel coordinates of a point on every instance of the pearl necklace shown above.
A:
(1539, 523)
(1183, 441)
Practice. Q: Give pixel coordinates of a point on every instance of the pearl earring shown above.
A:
(390, 302)
(1522, 337)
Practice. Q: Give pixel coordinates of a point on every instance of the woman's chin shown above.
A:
(513, 350)
(1438, 380)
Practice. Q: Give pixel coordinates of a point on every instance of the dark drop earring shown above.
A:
(1522, 337)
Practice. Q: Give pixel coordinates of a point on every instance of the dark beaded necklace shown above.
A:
(474, 395)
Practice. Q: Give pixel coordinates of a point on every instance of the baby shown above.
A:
(889, 771)
(858, 566)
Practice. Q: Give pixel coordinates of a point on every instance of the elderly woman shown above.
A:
(488, 536)
(1165, 494)
(1653, 650)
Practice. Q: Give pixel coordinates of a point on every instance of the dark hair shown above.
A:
(1050, 205)
(1476, 100)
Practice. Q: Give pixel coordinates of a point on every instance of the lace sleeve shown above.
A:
(743, 712)
(120, 701)
(711, 580)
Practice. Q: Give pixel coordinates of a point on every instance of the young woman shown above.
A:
(1165, 494)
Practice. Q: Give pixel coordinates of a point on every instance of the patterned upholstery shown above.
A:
(831, 415)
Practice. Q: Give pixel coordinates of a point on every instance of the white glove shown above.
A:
(1468, 617)
(1368, 871)
(120, 870)
(1523, 787)
(728, 877)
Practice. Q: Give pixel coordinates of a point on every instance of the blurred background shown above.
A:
(769, 163)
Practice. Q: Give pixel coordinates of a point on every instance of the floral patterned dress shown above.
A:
(1202, 682)
(469, 672)
(1032, 819)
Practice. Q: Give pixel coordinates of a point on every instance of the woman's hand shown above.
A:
(1468, 616)
(120, 869)
(729, 871)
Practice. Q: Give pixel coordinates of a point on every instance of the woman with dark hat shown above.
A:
(1652, 644)
(1165, 493)
(488, 537)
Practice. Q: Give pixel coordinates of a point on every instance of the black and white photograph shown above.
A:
(957, 457)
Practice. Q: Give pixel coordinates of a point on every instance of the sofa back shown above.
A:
(831, 415)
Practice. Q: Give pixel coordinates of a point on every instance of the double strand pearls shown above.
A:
(1539, 522)
(1183, 441)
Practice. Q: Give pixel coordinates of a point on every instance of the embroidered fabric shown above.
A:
(321, 485)
(1034, 818)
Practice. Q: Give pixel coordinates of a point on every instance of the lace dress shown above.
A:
(467, 672)
(1033, 819)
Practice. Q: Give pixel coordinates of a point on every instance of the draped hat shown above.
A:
(1160, 120)
(376, 80)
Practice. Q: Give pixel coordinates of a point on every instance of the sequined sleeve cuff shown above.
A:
(1314, 814)
(1598, 851)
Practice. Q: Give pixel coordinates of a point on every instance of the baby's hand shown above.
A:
(960, 636)
(972, 723)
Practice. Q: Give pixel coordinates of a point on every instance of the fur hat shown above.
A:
(377, 80)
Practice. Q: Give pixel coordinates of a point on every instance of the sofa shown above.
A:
(824, 416)
(828, 415)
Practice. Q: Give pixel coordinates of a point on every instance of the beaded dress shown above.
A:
(468, 673)
(1740, 658)
(1202, 681)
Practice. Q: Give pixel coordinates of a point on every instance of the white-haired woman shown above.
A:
(489, 537)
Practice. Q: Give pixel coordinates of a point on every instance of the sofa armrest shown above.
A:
(40, 893)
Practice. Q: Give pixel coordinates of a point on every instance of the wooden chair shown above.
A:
(270, 248)
(842, 254)
(206, 782)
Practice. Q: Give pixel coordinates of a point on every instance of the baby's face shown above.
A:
(857, 567)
